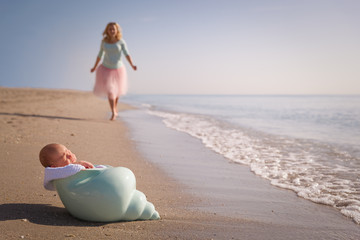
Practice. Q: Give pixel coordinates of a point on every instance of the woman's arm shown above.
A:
(131, 63)
(96, 63)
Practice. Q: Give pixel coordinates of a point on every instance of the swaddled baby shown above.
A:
(60, 162)
(106, 195)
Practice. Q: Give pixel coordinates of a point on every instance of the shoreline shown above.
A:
(31, 118)
(229, 189)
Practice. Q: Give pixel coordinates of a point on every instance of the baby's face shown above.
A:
(62, 157)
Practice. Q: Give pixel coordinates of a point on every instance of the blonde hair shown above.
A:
(118, 33)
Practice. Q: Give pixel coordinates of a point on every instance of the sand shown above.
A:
(31, 118)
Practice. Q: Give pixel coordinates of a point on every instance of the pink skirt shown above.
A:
(110, 83)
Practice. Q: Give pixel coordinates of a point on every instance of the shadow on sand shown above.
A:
(41, 116)
(42, 214)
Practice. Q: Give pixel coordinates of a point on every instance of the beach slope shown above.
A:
(31, 118)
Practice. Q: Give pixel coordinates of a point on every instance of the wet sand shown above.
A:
(229, 189)
(31, 118)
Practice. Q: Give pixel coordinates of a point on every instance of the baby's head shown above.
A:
(56, 155)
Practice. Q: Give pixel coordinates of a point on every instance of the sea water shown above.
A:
(309, 144)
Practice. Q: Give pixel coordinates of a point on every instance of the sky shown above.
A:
(187, 46)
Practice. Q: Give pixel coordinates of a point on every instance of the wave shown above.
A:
(315, 171)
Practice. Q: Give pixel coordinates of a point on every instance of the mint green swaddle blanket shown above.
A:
(104, 195)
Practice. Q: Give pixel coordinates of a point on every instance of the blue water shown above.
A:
(309, 144)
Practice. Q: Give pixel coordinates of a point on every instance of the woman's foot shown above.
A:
(113, 116)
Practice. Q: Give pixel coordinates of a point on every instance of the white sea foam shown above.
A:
(287, 163)
(145, 105)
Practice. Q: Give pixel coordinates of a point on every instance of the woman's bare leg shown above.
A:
(116, 102)
(112, 103)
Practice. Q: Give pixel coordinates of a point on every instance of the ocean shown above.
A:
(308, 144)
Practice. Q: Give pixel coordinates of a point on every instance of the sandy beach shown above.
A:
(32, 118)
